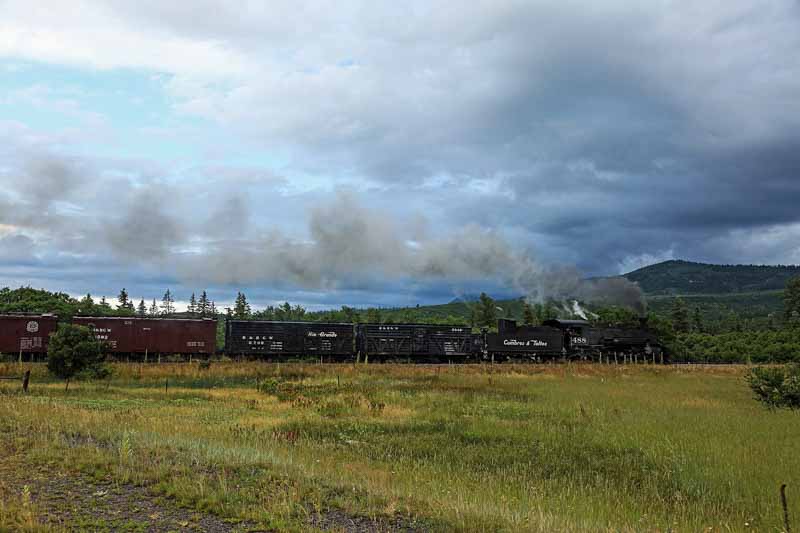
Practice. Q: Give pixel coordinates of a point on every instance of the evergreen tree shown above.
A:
(213, 309)
(125, 303)
(680, 315)
(794, 319)
(697, 320)
(527, 314)
(549, 311)
(167, 304)
(192, 305)
(791, 297)
(241, 309)
(87, 305)
(154, 308)
(142, 309)
(203, 306)
(487, 311)
(374, 315)
(350, 314)
(104, 306)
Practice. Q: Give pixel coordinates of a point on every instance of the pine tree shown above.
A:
(791, 298)
(167, 304)
(350, 315)
(680, 315)
(487, 311)
(697, 320)
(125, 303)
(87, 305)
(105, 307)
(374, 315)
(142, 309)
(241, 309)
(527, 314)
(213, 309)
(203, 306)
(192, 305)
(154, 308)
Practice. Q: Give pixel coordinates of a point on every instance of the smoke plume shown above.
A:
(351, 246)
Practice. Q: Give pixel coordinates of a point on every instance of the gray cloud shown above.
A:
(593, 133)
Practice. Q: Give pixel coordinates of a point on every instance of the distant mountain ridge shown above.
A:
(686, 277)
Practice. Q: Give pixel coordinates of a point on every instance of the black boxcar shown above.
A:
(450, 341)
(525, 341)
(634, 341)
(415, 341)
(391, 340)
(268, 338)
(321, 338)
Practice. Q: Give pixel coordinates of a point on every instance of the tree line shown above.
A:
(686, 332)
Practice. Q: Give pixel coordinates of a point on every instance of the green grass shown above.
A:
(476, 448)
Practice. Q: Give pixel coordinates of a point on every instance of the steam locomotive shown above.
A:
(139, 338)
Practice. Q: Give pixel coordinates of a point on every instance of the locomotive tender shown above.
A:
(274, 340)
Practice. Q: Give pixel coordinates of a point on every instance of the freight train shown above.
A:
(140, 338)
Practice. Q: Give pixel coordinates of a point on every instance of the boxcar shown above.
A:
(27, 334)
(525, 341)
(456, 342)
(132, 335)
(391, 340)
(633, 341)
(415, 341)
(272, 338)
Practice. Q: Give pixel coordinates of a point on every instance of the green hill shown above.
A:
(685, 277)
(726, 295)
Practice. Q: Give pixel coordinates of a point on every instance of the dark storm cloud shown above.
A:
(594, 133)
(614, 129)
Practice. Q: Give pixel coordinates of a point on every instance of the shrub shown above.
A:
(776, 387)
(74, 350)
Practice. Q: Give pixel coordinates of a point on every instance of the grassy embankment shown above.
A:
(477, 448)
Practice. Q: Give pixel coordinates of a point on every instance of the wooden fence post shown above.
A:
(25, 380)
(785, 509)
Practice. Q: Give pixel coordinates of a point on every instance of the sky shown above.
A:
(391, 153)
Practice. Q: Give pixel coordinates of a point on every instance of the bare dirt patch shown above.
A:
(74, 502)
(69, 501)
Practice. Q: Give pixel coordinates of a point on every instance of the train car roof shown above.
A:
(28, 315)
(558, 322)
(304, 322)
(84, 317)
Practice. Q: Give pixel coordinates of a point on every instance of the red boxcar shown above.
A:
(26, 333)
(154, 335)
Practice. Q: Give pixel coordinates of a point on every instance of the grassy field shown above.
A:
(393, 447)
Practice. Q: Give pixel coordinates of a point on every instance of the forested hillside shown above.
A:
(685, 277)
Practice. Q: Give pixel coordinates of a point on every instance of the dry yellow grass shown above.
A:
(467, 448)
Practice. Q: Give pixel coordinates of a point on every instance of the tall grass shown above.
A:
(468, 448)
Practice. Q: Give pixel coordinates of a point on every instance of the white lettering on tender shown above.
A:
(532, 342)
